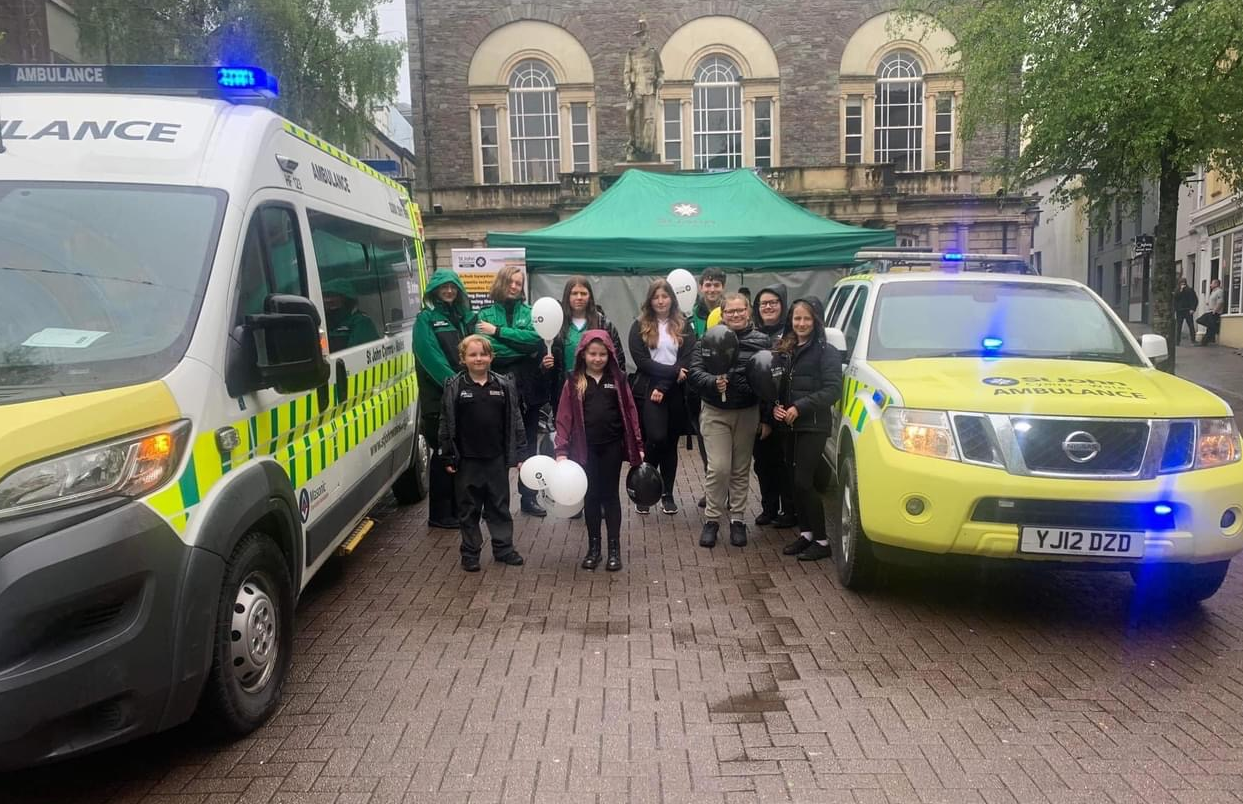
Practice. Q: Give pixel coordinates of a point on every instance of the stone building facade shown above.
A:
(521, 113)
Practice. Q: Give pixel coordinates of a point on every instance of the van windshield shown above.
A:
(994, 319)
(100, 284)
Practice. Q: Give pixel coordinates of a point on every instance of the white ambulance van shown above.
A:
(206, 381)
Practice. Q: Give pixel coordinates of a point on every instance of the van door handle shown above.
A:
(342, 381)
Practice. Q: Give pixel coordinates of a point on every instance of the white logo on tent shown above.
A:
(686, 210)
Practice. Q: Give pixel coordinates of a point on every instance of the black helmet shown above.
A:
(643, 484)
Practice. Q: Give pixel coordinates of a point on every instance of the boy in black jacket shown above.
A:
(481, 436)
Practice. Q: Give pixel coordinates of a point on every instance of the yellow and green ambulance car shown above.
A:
(206, 381)
(990, 413)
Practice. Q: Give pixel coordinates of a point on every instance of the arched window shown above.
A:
(718, 114)
(534, 131)
(900, 111)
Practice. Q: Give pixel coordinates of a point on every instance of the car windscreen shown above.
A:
(100, 284)
(994, 319)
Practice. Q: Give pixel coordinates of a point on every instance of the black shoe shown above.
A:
(642, 509)
(445, 524)
(785, 521)
(707, 538)
(737, 533)
(815, 552)
(532, 508)
(579, 515)
(592, 559)
(797, 546)
(512, 559)
(470, 563)
(614, 562)
(668, 505)
(703, 502)
(765, 518)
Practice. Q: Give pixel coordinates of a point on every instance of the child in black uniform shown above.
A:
(481, 436)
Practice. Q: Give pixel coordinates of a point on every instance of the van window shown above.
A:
(366, 278)
(855, 320)
(272, 260)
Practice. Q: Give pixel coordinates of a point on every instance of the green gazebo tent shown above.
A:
(654, 222)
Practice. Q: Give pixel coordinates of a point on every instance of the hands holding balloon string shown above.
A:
(785, 414)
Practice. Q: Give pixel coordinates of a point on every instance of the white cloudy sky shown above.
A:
(392, 15)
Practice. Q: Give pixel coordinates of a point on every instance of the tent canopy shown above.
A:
(654, 222)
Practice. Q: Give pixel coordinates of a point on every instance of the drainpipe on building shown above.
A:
(425, 152)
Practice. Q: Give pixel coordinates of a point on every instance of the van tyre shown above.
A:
(411, 485)
(1180, 583)
(852, 553)
(253, 644)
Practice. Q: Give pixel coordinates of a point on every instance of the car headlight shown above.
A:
(1217, 443)
(920, 432)
(128, 467)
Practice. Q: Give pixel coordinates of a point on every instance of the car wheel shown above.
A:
(411, 485)
(253, 645)
(852, 554)
(1187, 583)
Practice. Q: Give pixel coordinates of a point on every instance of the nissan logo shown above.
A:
(1081, 447)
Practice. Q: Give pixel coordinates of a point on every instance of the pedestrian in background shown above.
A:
(728, 422)
(661, 343)
(519, 351)
(481, 436)
(810, 387)
(598, 427)
(768, 311)
(1212, 319)
(445, 320)
(1185, 303)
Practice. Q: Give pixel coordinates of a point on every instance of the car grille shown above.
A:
(1067, 513)
(1121, 445)
(975, 439)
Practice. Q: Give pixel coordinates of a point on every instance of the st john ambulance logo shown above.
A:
(685, 210)
(1000, 381)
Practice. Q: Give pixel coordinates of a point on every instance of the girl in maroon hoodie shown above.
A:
(598, 427)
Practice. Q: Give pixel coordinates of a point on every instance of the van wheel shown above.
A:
(1185, 583)
(852, 554)
(411, 485)
(254, 638)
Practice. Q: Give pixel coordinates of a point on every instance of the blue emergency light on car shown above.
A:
(991, 344)
(953, 256)
(232, 83)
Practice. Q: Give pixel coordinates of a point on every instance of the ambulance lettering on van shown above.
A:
(133, 130)
(330, 177)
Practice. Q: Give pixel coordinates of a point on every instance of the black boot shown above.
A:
(614, 562)
(592, 559)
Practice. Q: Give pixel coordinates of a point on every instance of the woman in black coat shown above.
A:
(812, 385)
(661, 342)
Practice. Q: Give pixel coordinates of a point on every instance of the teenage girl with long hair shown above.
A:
(661, 342)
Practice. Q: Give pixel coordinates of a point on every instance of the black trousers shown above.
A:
(482, 487)
(603, 500)
(1185, 315)
(530, 423)
(775, 493)
(441, 506)
(803, 451)
(660, 437)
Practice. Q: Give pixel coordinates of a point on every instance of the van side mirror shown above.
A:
(279, 349)
(1154, 347)
(836, 339)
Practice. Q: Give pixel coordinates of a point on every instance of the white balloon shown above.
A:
(568, 484)
(547, 316)
(555, 508)
(683, 284)
(536, 471)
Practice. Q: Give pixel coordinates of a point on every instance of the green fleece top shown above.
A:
(441, 326)
(512, 341)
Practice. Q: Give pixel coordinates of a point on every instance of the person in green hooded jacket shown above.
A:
(347, 325)
(518, 351)
(445, 320)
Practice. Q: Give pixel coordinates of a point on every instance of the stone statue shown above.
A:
(644, 76)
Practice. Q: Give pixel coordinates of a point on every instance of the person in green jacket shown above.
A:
(518, 351)
(347, 325)
(711, 288)
(445, 320)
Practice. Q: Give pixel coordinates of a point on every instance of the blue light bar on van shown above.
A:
(953, 256)
(229, 83)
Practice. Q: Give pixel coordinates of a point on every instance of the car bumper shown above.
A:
(105, 629)
(953, 521)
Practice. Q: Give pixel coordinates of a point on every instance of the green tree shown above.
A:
(1111, 95)
(326, 54)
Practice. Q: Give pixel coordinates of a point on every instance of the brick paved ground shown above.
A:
(710, 676)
